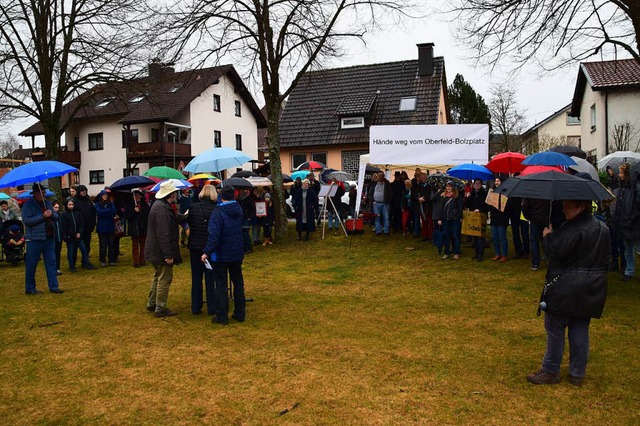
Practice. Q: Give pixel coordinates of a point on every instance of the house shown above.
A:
(607, 102)
(328, 114)
(560, 128)
(165, 118)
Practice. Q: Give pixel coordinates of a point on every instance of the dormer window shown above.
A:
(408, 104)
(104, 102)
(137, 98)
(175, 88)
(352, 123)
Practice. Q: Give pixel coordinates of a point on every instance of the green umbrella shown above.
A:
(164, 172)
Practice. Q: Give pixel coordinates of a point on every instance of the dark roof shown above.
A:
(159, 102)
(313, 110)
(606, 75)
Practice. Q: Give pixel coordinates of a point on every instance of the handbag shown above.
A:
(119, 229)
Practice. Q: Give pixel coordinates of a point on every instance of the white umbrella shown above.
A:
(259, 181)
(617, 158)
(586, 167)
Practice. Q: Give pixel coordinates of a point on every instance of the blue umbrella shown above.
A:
(131, 182)
(302, 174)
(4, 196)
(29, 194)
(470, 172)
(35, 172)
(549, 158)
(179, 183)
(216, 160)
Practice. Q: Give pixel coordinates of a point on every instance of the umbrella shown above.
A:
(340, 176)
(372, 169)
(130, 182)
(35, 172)
(506, 162)
(439, 180)
(244, 174)
(586, 167)
(285, 178)
(530, 170)
(570, 150)
(259, 181)
(237, 183)
(302, 174)
(554, 186)
(324, 175)
(470, 172)
(615, 159)
(202, 179)
(4, 196)
(311, 165)
(179, 183)
(164, 172)
(29, 194)
(548, 159)
(216, 160)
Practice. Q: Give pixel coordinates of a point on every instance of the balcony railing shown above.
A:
(159, 149)
(67, 157)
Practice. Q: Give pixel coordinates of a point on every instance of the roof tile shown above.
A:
(624, 72)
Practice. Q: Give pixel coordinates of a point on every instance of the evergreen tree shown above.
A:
(467, 107)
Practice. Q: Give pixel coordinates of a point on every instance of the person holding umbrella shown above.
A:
(38, 216)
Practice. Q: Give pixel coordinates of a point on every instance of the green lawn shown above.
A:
(353, 331)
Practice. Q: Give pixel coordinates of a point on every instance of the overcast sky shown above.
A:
(539, 95)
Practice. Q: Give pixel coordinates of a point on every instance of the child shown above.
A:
(13, 241)
(267, 221)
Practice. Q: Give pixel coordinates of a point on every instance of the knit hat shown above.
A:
(227, 193)
(267, 195)
(450, 183)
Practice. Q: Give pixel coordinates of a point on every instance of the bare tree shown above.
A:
(53, 50)
(8, 145)
(552, 32)
(624, 137)
(508, 121)
(277, 42)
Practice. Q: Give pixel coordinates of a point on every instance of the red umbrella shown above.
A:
(529, 170)
(506, 162)
(311, 165)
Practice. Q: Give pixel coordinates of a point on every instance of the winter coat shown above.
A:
(106, 212)
(312, 199)
(35, 223)
(162, 234)
(447, 208)
(224, 242)
(626, 216)
(198, 220)
(577, 275)
(422, 189)
(71, 224)
(10, 215)
(499, 217)
(406, 199)
(476, 201)
(87, 210)
(137, 221)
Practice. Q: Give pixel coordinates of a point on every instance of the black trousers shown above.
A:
(221, 272)
(198, 271)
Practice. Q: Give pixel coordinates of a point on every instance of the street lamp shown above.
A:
(175, 138)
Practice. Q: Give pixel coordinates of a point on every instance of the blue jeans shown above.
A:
(72, 253)
(499, 237)
(255, 231)
(630, 257)
(578, 343)
(535, 237)
(333, 220)
(416, 222)
(451, 231)
(47, 249)
(382, 217)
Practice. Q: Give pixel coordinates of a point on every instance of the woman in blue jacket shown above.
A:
(106, 212)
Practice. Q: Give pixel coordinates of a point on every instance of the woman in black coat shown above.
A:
(499, 222)
(304, 202)
(137, 215)
(198, 220)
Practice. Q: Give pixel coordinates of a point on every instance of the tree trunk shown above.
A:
(273, 129)
(52, 148)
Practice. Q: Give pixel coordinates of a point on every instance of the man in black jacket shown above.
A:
(87, 210)
(475, 201)
(575, 289)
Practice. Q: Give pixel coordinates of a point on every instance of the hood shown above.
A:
(231, 209)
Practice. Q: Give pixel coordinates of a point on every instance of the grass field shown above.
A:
(358, 331)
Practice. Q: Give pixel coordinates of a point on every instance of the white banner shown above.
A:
(449, 144)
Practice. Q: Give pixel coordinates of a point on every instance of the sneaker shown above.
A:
(575, 381)
(112, 264)
(534, 268)
(445, 257)
(164, 312)
(456, 257)
(58, 272)
(543, 377)
(103, 264)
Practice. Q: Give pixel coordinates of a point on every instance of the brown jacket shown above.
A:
(162, 234)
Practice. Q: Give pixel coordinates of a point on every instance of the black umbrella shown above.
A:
(244, 174)
(237, 183)
(554, 186)
(372, 169)
(285, 178)
(570, 150)
(131, 182)
(324, 175)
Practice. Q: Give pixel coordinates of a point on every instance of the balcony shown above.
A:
(158, 152)
(71, 158)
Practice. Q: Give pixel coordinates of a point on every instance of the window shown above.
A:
(297, 159)
(136, 98)
(238, 109)
(593, 117)
(217, 138)
(104, 102)
(175, 88)
(96, 177)
(133, 137)
(96, 141)
(573, 121)
(216, 103)
(408, 104)
(319, 156)
(352, 123)
(239, 142)
(130, 172)
(155, 135)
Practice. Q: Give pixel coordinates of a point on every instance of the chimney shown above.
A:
(157, 69)
(425, 59)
